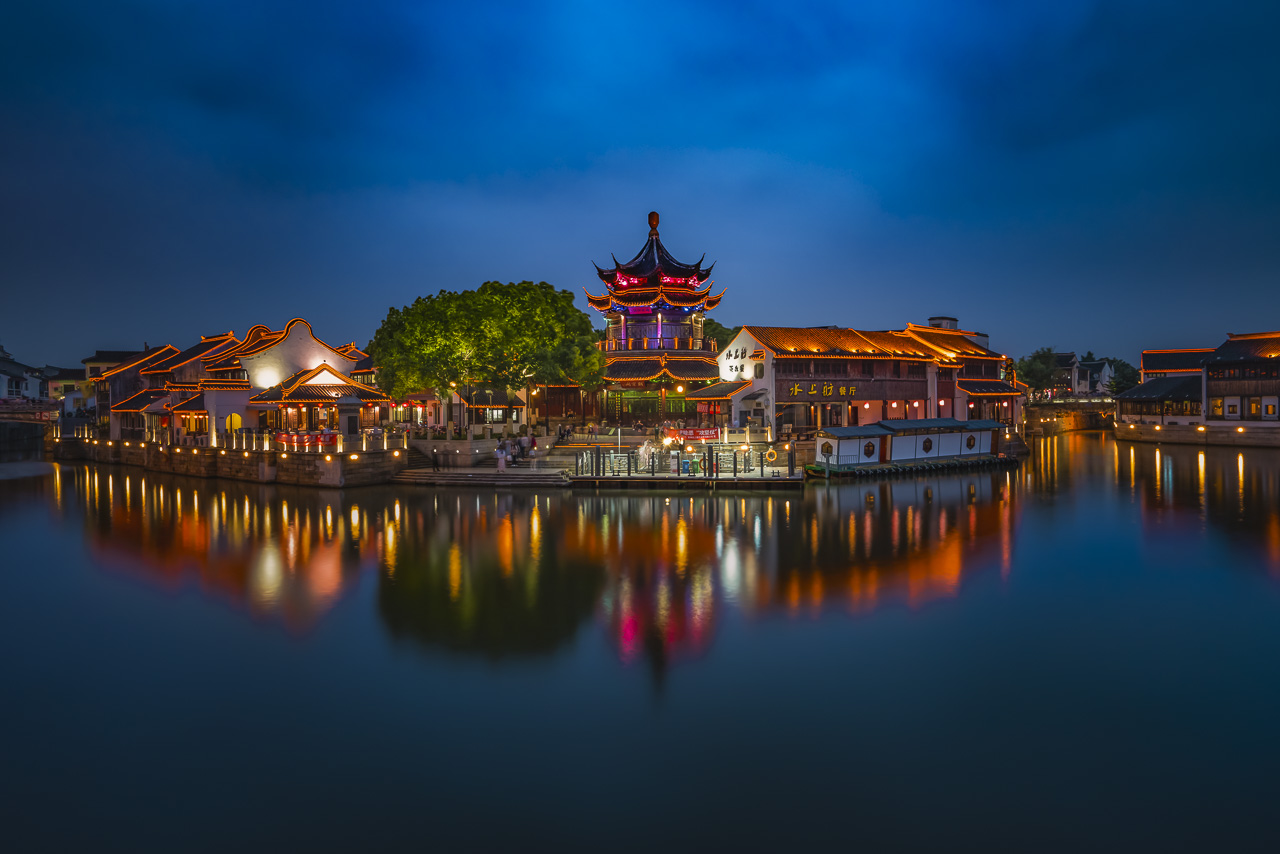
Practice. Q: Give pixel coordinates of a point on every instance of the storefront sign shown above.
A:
(709, 408)
(633, 384)
(697, 433)
(820, 391)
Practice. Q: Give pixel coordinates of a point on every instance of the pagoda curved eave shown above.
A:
(688, 369)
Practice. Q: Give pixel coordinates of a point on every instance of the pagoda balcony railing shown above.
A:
(705, 345)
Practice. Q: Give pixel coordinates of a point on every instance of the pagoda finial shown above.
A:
(653, 223)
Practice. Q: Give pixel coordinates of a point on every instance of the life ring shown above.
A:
(770, 455)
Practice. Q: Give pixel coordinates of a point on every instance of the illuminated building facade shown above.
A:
(654, 348)
(797, 379)
(1230, 394)
(270, 379)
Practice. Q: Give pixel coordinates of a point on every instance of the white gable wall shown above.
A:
(297, 351)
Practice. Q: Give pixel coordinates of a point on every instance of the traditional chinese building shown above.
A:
(270, 379)
(1242, 379)
(795, 379)
(1227, 395)
(655, 352)
(1156, 364)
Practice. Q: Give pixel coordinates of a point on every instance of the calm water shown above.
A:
(1081, 655)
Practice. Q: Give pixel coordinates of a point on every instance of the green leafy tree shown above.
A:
(1037, 370)
(507, 336)
(427, 345)
(1124, 376)
(720, 332)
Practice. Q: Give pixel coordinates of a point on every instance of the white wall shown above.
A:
(853, 447)
(298, 350)
(736, 364)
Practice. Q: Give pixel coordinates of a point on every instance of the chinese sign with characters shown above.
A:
(819, 391)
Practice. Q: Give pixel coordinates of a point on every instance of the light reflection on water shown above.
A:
(974, 647)
(520, 572)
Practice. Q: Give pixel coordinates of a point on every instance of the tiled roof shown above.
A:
(680, 368)
(826, 341)
(114, 356)
(865, 431)
(482, 399)
(258, 339)
(953, 342)
(141, 401)
(1183, 388)
(1064, 360)
(225, 385)
(297, 389)
(899, 425)
(1255, 345)
(206, 348)
(718, 391)
(671, 295)
(141, 361)
(1174, 360)
(986, 387)
(653, 261)
(190, 406)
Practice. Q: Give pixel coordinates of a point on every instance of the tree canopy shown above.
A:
(720, 332)
(1124, 376)
(1037, 369)
(509, 335)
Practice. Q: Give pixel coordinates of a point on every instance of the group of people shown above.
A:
(512, 450)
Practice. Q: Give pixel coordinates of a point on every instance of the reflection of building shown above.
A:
(289, 553)
(1236, 491)
(859, 546)
(497, 575)
(654, 349)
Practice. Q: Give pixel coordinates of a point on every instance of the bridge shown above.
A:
(26, 410)
(1062, 414)
(26, 426)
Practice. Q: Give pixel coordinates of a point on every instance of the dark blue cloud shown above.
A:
(1081, 171)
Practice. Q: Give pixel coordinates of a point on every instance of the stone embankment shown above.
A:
(1231, 435)
(360, 468)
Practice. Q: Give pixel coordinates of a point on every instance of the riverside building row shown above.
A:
(660, 366)
(1224, 395)
(794, 380)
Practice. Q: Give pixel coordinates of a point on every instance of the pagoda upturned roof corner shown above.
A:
(655, 277)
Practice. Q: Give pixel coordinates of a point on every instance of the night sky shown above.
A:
(1083, 175)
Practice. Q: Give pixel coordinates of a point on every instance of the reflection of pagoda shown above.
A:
(654, 349)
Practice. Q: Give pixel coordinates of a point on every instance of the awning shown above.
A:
(718, 391)
(865, 431)
(987, 388)
(1176, 389)
(190, 406)
(147, 400)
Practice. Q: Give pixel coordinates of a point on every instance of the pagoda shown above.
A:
(654, 349)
